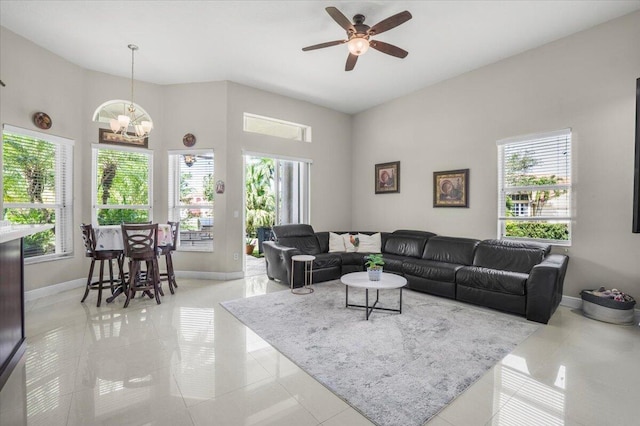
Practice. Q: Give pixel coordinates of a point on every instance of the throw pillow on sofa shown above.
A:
(370, 243)
(336, 242)
(350, 243)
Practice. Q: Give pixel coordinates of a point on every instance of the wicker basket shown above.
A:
(607, 310)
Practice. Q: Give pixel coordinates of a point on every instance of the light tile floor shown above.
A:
(189, 362)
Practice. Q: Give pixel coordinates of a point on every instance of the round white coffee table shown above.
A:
(361, 280)
(307, 261)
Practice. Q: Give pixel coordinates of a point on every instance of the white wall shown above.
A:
(38, 80)
(585, 82)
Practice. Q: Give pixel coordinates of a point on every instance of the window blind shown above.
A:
(37, 176)
(534, 187)
(192, 188)
(122, 183)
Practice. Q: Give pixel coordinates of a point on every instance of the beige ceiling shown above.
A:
(258, 43)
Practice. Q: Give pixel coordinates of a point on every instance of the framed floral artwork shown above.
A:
(451, 188)
(387, 177)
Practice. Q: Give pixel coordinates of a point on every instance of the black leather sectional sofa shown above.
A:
(521, 278)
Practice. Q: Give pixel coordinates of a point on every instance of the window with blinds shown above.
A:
(37, 182)
(534, 187)
(121, 185)
(192, 189)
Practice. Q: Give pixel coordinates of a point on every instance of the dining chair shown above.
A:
(89, 238)
(167, 252)
(140, 244)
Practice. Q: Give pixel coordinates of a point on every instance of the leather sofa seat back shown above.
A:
(424, 234)
(298, 236)
(510, 255)
(404, 245)
(451, 250)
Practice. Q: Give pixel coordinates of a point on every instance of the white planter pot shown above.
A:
(374, 274)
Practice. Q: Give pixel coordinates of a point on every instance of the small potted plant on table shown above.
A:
(374, 264)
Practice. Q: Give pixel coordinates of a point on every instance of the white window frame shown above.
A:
(173, 160)
(94, 181)
(63, 205)
(503, 188)
(305, 130)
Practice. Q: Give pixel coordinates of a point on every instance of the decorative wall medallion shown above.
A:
(42, 120)
(189, 140)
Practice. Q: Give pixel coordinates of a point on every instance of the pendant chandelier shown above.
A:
(126, 118)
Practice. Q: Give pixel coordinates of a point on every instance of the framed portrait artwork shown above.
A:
(387, 177)
(451, 188)
(107, 136)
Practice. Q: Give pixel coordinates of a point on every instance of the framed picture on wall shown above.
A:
(387, 177)
(107, 136)
(451, 188)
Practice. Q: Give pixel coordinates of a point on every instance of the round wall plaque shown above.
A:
(42, 120)
(189, 140)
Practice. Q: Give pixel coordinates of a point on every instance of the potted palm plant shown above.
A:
(374, 264)
(250, 244)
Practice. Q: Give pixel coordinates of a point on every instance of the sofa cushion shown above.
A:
(393, 263)
(370, 243)
(336, 243)
(298, 236)
(404, 245)
(355, 258)
(327, 260)
(492, 280)
(429, 269)
(413, 233)
(451, 250)
(510, 255)
(350, 242)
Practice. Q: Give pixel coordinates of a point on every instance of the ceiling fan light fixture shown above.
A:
(358, 45)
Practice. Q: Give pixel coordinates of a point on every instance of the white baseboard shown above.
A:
(576, 303)
(218, 276)
(50, 290)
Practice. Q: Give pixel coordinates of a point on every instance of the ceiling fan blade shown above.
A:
(321, 45)
(390, 22)
(351, 62)
(342, 20)
(389, 49)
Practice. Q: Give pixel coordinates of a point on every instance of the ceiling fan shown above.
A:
(358, 35)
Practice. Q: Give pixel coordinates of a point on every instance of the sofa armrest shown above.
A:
(278, 260)
(544, 287)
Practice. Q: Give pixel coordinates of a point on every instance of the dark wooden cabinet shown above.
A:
(12, 336)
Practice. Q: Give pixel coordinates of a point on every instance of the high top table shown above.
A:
(361, 280)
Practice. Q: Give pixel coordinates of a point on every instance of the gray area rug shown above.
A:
(396, 369)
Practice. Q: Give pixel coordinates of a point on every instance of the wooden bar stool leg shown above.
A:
(100, 283)
(86, 292)
(171, 278)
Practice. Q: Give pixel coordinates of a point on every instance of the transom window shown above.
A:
(37, 186)
(274, 127)
(192, 189)
(534, 187)
(122, 185)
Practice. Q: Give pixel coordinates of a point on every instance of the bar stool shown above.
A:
(140, 244)
(167, 252)
(89, 238)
